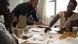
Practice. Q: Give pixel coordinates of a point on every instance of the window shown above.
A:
(62, 5)
(50, 8)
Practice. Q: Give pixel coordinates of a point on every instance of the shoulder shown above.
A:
(25, 3)
(22, 4)
(61, 13)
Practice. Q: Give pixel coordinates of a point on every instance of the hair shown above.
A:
(4, 7)
(33, 0)
(74, 2)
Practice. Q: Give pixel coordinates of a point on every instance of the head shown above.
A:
(4, 4)
(72, 5)
(34, 3)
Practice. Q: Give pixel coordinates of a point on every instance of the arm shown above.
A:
(36, 20)
(54, 21)
(72, 21)
(15, 13)
(35, 16)
(7, 19)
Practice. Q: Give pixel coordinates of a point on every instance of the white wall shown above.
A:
(40, 8)
(25, 0)
(77, 6)
(45, 19)
(47, 12)
(14, 3)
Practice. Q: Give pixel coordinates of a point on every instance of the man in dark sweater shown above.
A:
(27, 9)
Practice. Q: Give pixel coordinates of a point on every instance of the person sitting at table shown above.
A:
(68, 18)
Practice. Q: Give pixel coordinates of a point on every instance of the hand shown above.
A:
(37, 23)
(61, 31)
(47, 29)
(40, 23)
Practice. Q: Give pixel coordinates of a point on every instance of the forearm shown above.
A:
(53, 21)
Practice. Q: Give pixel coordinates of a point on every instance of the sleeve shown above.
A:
(16, 10)
(35, 16)
(61, 13)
